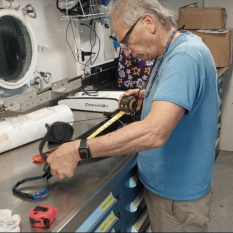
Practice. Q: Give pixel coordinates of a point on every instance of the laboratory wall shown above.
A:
(53, 29)
(53, 32)
(53, 55)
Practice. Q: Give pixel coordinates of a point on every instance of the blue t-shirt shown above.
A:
(181, 169)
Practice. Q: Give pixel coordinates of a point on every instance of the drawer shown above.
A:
(130, 180)
(141, 223)
(219, 115)
(109, 224)
(217, 142)
(221, 91)
(110, 204)
(148, 229)
(220, 81)
(130, 188)
(133, 206)
(132, 217)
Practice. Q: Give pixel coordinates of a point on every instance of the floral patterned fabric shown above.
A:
(129, 76)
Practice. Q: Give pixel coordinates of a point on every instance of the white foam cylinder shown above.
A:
(17, 131)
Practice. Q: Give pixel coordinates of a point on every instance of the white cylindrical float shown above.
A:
(17, 131)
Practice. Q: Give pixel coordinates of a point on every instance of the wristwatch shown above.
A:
(83, 150)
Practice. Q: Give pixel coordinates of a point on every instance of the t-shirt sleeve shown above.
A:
(180, 82)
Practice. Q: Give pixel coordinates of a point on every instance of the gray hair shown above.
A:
(130, 10)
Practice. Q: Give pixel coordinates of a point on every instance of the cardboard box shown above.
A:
(220, 44)
(202, 18)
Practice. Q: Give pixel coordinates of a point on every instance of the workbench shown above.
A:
(95, 199)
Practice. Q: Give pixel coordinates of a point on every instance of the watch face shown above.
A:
(83, 153)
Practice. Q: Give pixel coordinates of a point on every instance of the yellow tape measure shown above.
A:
(107, 124)
(127, 105)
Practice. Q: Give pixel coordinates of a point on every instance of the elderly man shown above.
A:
(175, 138)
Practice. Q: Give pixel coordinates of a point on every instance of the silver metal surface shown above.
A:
(63, 86)
(13, 103)
(59, 86)
(69, 196)
(26, 101)
(36, 101)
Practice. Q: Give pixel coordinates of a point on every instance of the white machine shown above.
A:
(18, 49)
(102, 101)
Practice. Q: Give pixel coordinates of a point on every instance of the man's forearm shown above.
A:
(133, 138)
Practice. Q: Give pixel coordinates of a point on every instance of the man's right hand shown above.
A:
(139, 94)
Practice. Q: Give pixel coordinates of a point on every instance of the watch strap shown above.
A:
(83, 143)
(84, 150)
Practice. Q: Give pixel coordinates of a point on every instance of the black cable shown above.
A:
(89, 93)
(92, 45)
(99, 118)
(97, 37)
(84, 65)
(70, 23)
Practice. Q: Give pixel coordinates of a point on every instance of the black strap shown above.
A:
(35, 195)
(58, 132)
(181, 28)
(50, 135)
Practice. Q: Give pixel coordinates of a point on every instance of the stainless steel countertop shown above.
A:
(68, 195)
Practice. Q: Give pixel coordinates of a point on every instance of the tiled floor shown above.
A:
(222, 207)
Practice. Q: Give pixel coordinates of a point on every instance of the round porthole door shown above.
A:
(18, 50)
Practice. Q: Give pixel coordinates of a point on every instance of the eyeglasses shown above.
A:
(123, 42)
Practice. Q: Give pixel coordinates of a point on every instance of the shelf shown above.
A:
(93, 11)
(84, 17)
(221, 71)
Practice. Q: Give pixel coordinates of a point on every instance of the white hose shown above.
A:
(17, 131)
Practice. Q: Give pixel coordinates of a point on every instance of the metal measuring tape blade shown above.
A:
(107, 124)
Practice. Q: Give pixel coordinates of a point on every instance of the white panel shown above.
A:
(50, 30)
(56, 57)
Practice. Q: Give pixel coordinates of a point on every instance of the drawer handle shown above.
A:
(107, 223)
(93, 220)
(217, 141)
(133, 181)
(219, 114)
(136, 227)
(136, 203)
(108, 202)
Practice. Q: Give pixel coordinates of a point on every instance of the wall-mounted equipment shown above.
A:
(18, 50)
